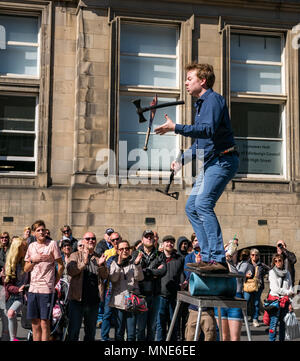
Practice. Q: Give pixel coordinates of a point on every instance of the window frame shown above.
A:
(175, 92)
(29, 85)
(35, 132)
(259, 97)
(38, 45)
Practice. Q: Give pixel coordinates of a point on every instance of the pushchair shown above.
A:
(59, 316)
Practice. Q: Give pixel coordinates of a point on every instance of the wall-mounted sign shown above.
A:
(260, 156)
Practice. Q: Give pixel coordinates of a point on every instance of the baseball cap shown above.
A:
(169, 238)
(109, 231)
(148, 231)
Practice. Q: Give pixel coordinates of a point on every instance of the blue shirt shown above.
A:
(211, 129)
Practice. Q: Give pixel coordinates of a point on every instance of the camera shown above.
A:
(280, 245)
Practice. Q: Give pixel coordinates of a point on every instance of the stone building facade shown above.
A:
(68, 75)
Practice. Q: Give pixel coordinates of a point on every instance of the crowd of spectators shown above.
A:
(102, 274)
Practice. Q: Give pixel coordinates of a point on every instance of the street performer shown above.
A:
(214, 139)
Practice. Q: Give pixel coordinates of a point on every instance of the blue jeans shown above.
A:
(165, 315)
(77, 312)
(100, 312)
(256, 302)
(200, 205)
(147, 320)
(277, 317)
(125, 320)
(108, 319)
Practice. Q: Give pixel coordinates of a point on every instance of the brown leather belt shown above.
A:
(229, 151)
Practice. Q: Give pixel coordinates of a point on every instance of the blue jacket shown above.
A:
(211, 129)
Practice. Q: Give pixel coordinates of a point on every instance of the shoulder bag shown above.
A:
(252, 284)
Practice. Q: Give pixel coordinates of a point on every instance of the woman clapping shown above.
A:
(124, 276)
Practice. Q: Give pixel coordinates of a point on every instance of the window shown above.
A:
(148, 66)
(19, 50)
(19, 58)
(257, 93)
(17, 133)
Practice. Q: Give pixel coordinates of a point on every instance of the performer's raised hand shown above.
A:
(168, 126)
(175, 166)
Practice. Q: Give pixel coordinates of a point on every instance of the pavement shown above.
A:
(257, 333)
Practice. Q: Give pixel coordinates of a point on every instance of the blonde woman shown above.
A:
(15, 280)
(4, 247)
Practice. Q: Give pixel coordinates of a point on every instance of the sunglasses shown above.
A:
(115, 239)
(4, 237)
(277, 260)
(124, 249)
(80, 245)
(90, 239)
(67, 231)
(149, 236)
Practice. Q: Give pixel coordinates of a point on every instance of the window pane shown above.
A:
(255, 47)
(256, 120)
(20, 28)
(148, 71)
(16, 166)
(17, 113)
(148, 39)
(260, 157)
(17, 145)
(160, 154)
(19, 60)
(129, 119)
(255, 78)
(129, 124)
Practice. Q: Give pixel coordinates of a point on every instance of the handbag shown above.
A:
(252, 284)
(271, 305)
(134, 303)
(292, 327)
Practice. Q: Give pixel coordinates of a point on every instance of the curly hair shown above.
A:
(204, 71)
(13, 257)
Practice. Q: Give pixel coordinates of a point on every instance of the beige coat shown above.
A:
(75, 269)
(123, 279)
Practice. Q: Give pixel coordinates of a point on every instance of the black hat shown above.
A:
(169, 238)
(109, 231)
(148, 231)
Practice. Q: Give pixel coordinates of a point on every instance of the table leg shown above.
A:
(197, 332)
(173, 320)
(220, 324)
(246, 324)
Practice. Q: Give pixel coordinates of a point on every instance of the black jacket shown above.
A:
(178, 245)
(263, 269)
(3, 255)
(101, 247)
(170, 282)
(289, 259)
(150, 286)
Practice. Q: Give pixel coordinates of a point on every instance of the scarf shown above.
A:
(125, 262)
(280, 272)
